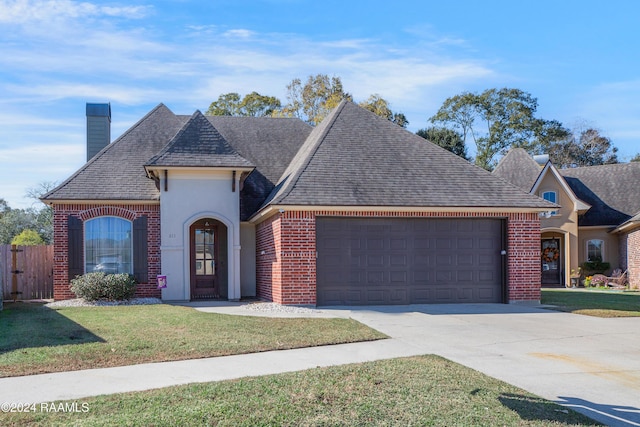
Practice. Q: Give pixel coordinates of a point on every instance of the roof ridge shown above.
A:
(106, 148)
(607, 165)
(182, 143)
(315, 142)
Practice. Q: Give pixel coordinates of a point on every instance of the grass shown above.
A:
(35, 339)
(426, 390)
(593, 303)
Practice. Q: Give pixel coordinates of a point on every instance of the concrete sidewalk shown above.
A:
(589, 364)
(76, 385)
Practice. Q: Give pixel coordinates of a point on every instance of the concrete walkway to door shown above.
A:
(587, 363)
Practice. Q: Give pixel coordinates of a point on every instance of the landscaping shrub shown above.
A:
(101, 286)
(595, 267)
(599, 280)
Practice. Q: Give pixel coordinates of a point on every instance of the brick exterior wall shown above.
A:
(286, 266)
(61, 286)
(632, 248)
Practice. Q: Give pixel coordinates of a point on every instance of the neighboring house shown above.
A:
(354, 211)
(599, 217)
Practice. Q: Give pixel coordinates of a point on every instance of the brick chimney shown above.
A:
(98, 128)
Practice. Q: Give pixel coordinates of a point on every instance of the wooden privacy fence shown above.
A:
(26, 272)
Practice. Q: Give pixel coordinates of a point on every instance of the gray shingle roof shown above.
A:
(355, 158)
(198, 144)
(269, 143)
(518, 168)
(116, 172)
(612, 191)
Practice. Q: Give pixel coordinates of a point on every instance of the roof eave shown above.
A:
(271, 210)
(51, 202)
(578, 205)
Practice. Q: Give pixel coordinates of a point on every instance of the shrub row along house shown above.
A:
(598, 221)
(354, 211)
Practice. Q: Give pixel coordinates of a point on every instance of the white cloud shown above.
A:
(239, 34)
(28, 11)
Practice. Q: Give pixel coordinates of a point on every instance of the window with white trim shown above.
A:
(108, 245)
(552, 197)
(595, 250)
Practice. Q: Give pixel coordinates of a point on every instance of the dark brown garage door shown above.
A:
(368, 261)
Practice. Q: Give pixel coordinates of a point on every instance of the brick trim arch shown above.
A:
(107, 211)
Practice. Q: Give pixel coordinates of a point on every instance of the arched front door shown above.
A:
(204, 236)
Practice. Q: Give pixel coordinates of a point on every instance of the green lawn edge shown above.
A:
(421, 390)
(35, 339)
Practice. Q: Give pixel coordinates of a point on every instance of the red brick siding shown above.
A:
(84, 212)
(286, 266)
(268, 260)
(633, 258)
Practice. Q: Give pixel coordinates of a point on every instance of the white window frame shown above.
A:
(555, 197)
(85, 235)
(601, 249)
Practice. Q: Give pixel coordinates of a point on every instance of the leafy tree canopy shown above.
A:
(497, 120)
(252, 104)
(380, 106)
(14, 221)
(583, 148)
(28, 237)
(636, 158)
(446, 138)
(310, 102)
(4, 207)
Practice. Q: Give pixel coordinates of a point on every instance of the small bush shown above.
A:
(599, 280)
(100, 286)
(596, 267)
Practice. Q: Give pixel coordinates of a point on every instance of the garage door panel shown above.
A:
(397, 260)
(398, 277)
(408, 260)
(375, 277)
(421, 243)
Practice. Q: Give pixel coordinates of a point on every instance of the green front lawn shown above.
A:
(594, 303)
(425, 390)
(35, 339)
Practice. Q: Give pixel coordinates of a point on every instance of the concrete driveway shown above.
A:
(590, 364)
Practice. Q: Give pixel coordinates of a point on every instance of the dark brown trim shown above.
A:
(166, 180)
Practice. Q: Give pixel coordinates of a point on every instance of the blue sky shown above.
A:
(580, 59)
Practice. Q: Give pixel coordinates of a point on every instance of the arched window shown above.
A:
(108, 245)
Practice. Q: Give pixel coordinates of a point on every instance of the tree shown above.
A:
(252, 104)
(446, 138)
(312, 101)
(28, 237)
(636, 158)
(497, 120)
(15, 221)
(4, 207)
(380, 106)
(228, 104)
(583, 148)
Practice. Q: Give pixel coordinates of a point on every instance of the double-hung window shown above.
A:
(552, 197)
(595, 250)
